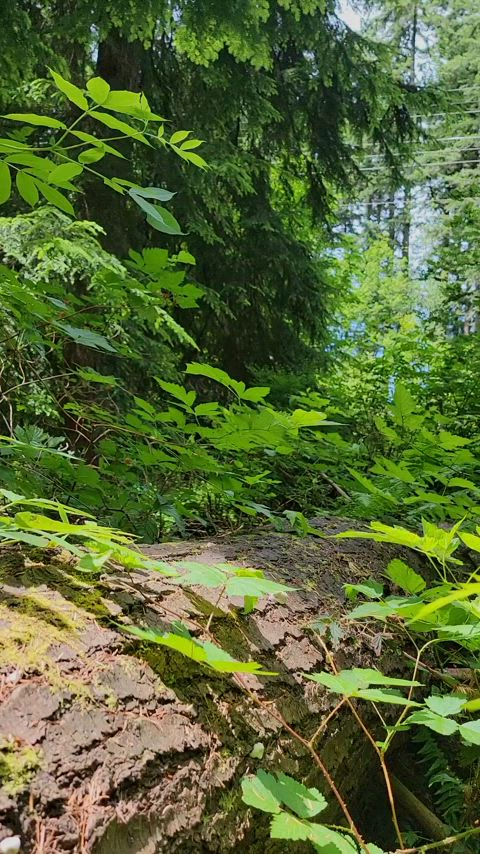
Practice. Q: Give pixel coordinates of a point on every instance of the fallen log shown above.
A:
(112, 746)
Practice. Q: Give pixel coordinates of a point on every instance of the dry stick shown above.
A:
(375, 746)
(313, 753)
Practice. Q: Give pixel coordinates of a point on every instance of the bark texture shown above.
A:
(110, 746)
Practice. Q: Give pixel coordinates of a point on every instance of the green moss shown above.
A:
(17, 766)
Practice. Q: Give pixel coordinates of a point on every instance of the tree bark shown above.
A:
(133, 749)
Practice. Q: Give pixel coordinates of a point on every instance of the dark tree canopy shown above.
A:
(282, 92)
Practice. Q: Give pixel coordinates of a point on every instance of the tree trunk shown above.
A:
(113, 746)
(121, 63)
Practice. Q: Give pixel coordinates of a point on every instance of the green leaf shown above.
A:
(27, 188)
(470, 540)
(52, 195)
(371, 588)
(202, 652)
(34, 119)
(202, 575)
(256, 794)
(158, 217)
(5, 182)
(464, 591)
(157, 193)
(178, 391)
(94, 563)
(98, 143)
(356, 683)
(445, 704)
(65, 172)
(116, 124)
(305, 802)
(91, 376)
(304, 418)
(405, 577)
(329, 841)
(99, 89)
(282, 789)
(375, 696)
(437, 723)
(86, 337)
(191, 143)
(179, 135)
(91, 155)
(255, 393)
(184, 257)
(470, 732)
(73, 93)
(287, 826)
(237, 585)
(131, 104)
(194, 158)
(216, 374)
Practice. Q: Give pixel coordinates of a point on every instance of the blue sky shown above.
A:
(350, 17)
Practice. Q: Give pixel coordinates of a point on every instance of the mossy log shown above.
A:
(133, 749)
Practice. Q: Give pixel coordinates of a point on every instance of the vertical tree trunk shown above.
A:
(121, 63)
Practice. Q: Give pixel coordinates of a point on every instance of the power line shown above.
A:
(445, 113)
(443, 163)
(438, 139)
(420, 153)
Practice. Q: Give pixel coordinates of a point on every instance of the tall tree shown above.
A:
(282, 91)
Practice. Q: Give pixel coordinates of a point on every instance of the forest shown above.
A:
(239, 426)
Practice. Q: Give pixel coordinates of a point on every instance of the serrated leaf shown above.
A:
(244, 586)
(184, 257)
(202, 575)
(255, 393)
(437, 723)
(178, 391)
(202, 652)
(445, 704)
(256, 794)
(94, 563)
(405, 577)
(470, 731)
(371, 588)
(357, 678)
(305, 802)
(374, 695)
(329, 841)
(287, 826)
(72, 92)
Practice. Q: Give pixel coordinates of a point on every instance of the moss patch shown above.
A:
(17, 766)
